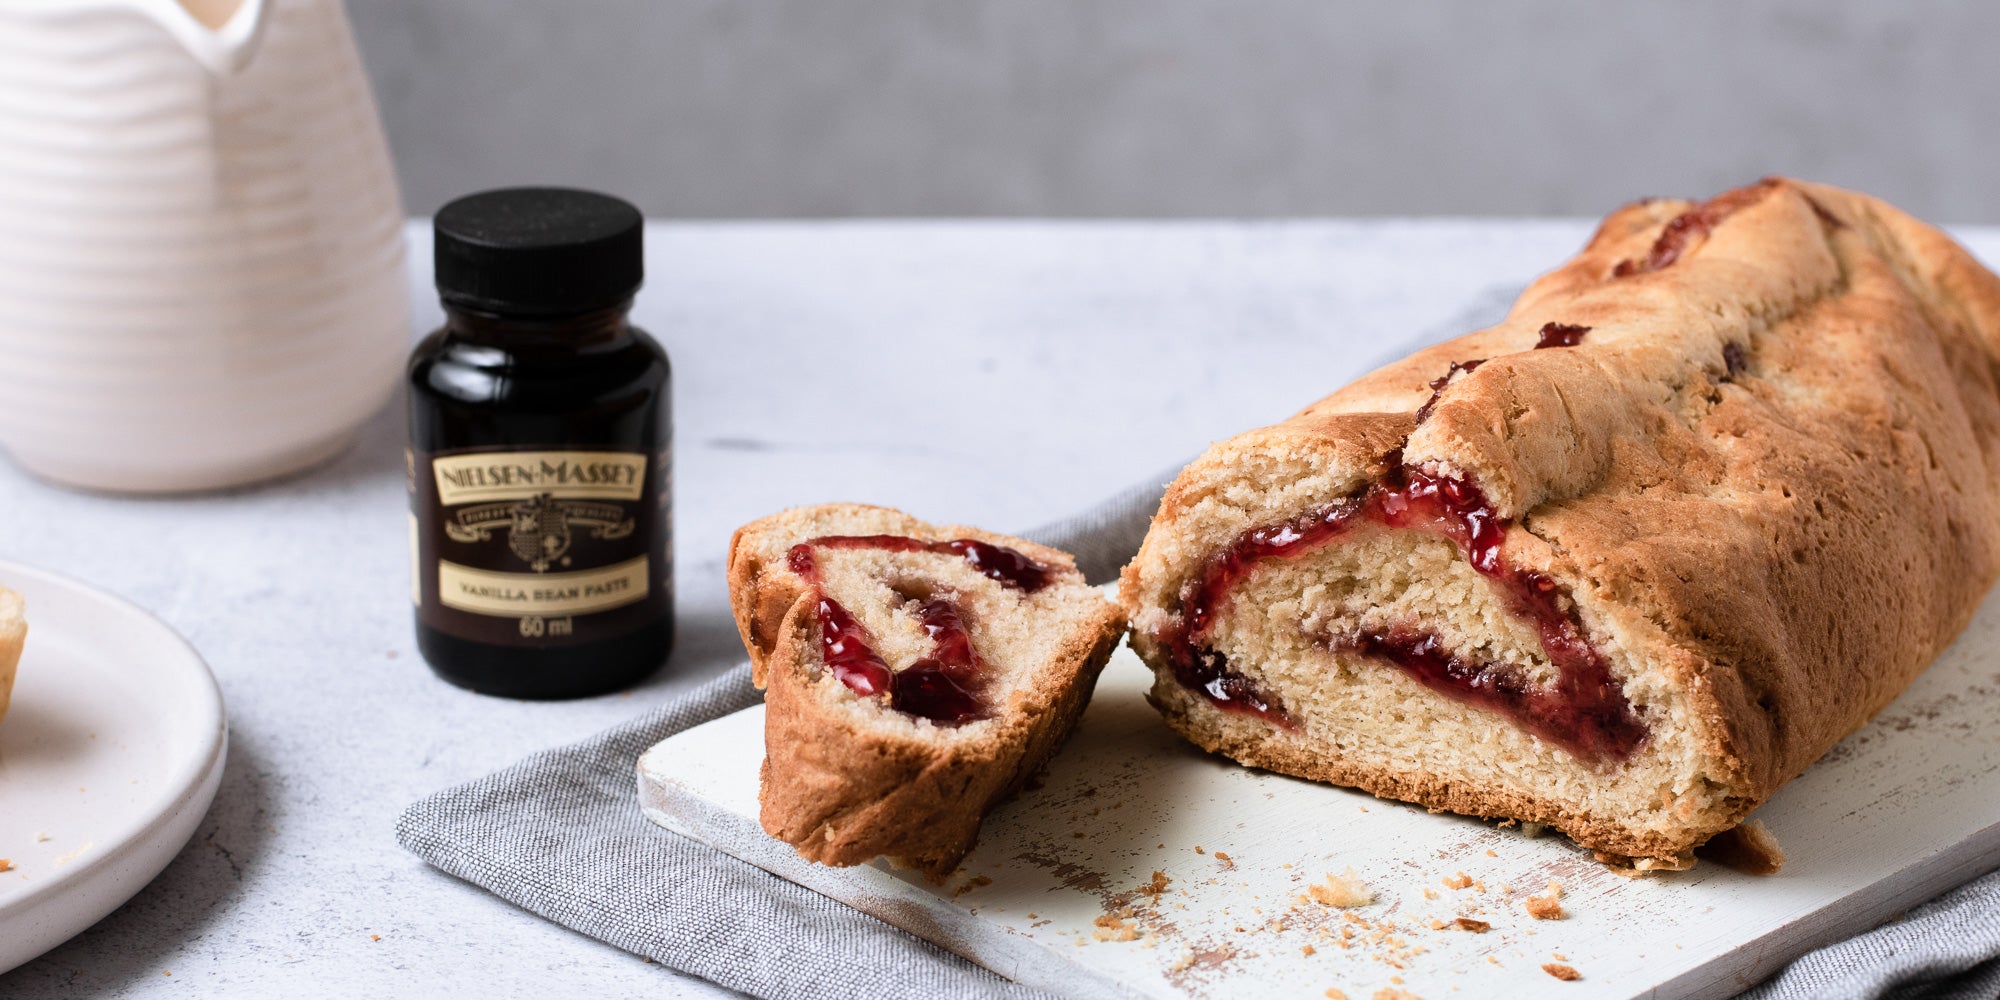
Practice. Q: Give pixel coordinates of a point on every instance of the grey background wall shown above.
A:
(752, 108)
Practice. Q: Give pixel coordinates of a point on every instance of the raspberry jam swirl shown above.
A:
(947, 686)
(1585, 711)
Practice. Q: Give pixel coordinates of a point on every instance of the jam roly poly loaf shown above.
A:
(1585, 712)
(944, 687)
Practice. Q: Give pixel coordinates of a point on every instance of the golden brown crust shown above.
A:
(843, 787)
(1769, 477)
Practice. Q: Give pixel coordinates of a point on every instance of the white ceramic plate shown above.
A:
(109, 758)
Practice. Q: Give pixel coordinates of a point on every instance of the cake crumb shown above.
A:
(1224, 858)
(1458, 881)
(374, 937)
(1469, 924)
(1490, 854)
(1430, 893)
(1548, 907)
(1343, 890)
(1198, 850)
(1392, 993)
(1333, 993)
(41, 838)
(1559, 956)
(1113, 927)
(1747, 847)
(1563, 972)
(1307, 951)
(6, 865)
(1437, 925)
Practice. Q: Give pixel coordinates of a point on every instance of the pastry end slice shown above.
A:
(914, 675)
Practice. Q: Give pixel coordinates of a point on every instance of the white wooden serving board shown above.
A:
(1905, 808)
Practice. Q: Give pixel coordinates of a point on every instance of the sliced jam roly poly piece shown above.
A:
(1438, 384)
(1586, 697)
(944, 686)
(1560, 335)
(1683, 229)
(996, 562)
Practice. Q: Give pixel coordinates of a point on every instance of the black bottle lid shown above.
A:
(538, 250)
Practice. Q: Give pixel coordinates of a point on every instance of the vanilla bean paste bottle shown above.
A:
(539, 452)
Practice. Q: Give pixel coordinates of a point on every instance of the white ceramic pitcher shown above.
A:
(201, 246)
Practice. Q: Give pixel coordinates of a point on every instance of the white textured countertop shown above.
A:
(994, 373)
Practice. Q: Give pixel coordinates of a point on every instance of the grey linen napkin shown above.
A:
(560, 834)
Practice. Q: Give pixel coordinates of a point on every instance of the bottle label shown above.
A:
(537, 546)
(487, 593)
(525, 475)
